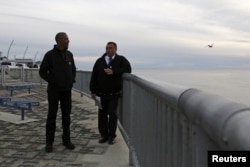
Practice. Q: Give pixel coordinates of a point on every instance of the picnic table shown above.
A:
(23, 104)
(11, 88)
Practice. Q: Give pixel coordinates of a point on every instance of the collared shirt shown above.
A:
(107, 58)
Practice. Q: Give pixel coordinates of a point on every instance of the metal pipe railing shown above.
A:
(177, 126)
(224, 121)
(151, 119)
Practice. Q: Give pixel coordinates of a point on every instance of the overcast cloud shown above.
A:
(150, 33)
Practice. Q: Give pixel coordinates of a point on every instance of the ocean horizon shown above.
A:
(232, 84)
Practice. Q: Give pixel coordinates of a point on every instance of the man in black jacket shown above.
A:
(106, 82)
(59, 70)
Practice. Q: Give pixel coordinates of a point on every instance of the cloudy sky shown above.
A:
(150, 33)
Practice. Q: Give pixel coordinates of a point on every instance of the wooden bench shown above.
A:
(23, 104)
(11, 88)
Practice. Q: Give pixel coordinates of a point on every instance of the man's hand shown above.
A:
(108, 71)
(93, 96)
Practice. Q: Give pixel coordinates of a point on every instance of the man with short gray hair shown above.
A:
(59, 70)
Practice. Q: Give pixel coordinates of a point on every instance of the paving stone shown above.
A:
(6, 137)
(23, 145)
(27, 141)
(18, 146)
(22, 155)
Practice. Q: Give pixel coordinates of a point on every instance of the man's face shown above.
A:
(110, 50)
(64, 42)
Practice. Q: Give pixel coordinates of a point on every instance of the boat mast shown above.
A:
(35, 55)
(9, 49)
(25, 52)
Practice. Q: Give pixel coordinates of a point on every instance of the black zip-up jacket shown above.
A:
(101, 82)
(58, 69)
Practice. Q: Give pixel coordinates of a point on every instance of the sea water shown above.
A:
(233, 84)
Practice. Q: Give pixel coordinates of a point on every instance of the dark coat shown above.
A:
(101, 82)
(58, 69)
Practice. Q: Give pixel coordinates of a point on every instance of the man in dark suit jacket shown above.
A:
(106, 82)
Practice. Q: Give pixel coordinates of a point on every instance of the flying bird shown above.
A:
(211, 45)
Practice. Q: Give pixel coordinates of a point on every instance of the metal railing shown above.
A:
(176, 126)
(19, 75)
(171, 125)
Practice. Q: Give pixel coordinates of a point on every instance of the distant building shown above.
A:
(3, 58)
(29, 62)
(37, 64)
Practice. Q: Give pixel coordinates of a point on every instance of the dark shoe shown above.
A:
(69, 145)
(48, 147)
(103, 140)
(111, 141)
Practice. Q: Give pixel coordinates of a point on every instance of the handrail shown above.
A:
(225, 122)
(196, 121)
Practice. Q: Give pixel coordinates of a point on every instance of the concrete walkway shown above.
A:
(22, 142)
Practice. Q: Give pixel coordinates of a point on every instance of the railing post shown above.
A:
(3, 79)
(22, 74)
(2, 75)
(82, 86)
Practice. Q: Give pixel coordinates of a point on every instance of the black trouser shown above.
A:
(54, 96)
(107, 116)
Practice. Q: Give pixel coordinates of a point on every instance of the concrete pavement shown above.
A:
(22, 142)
